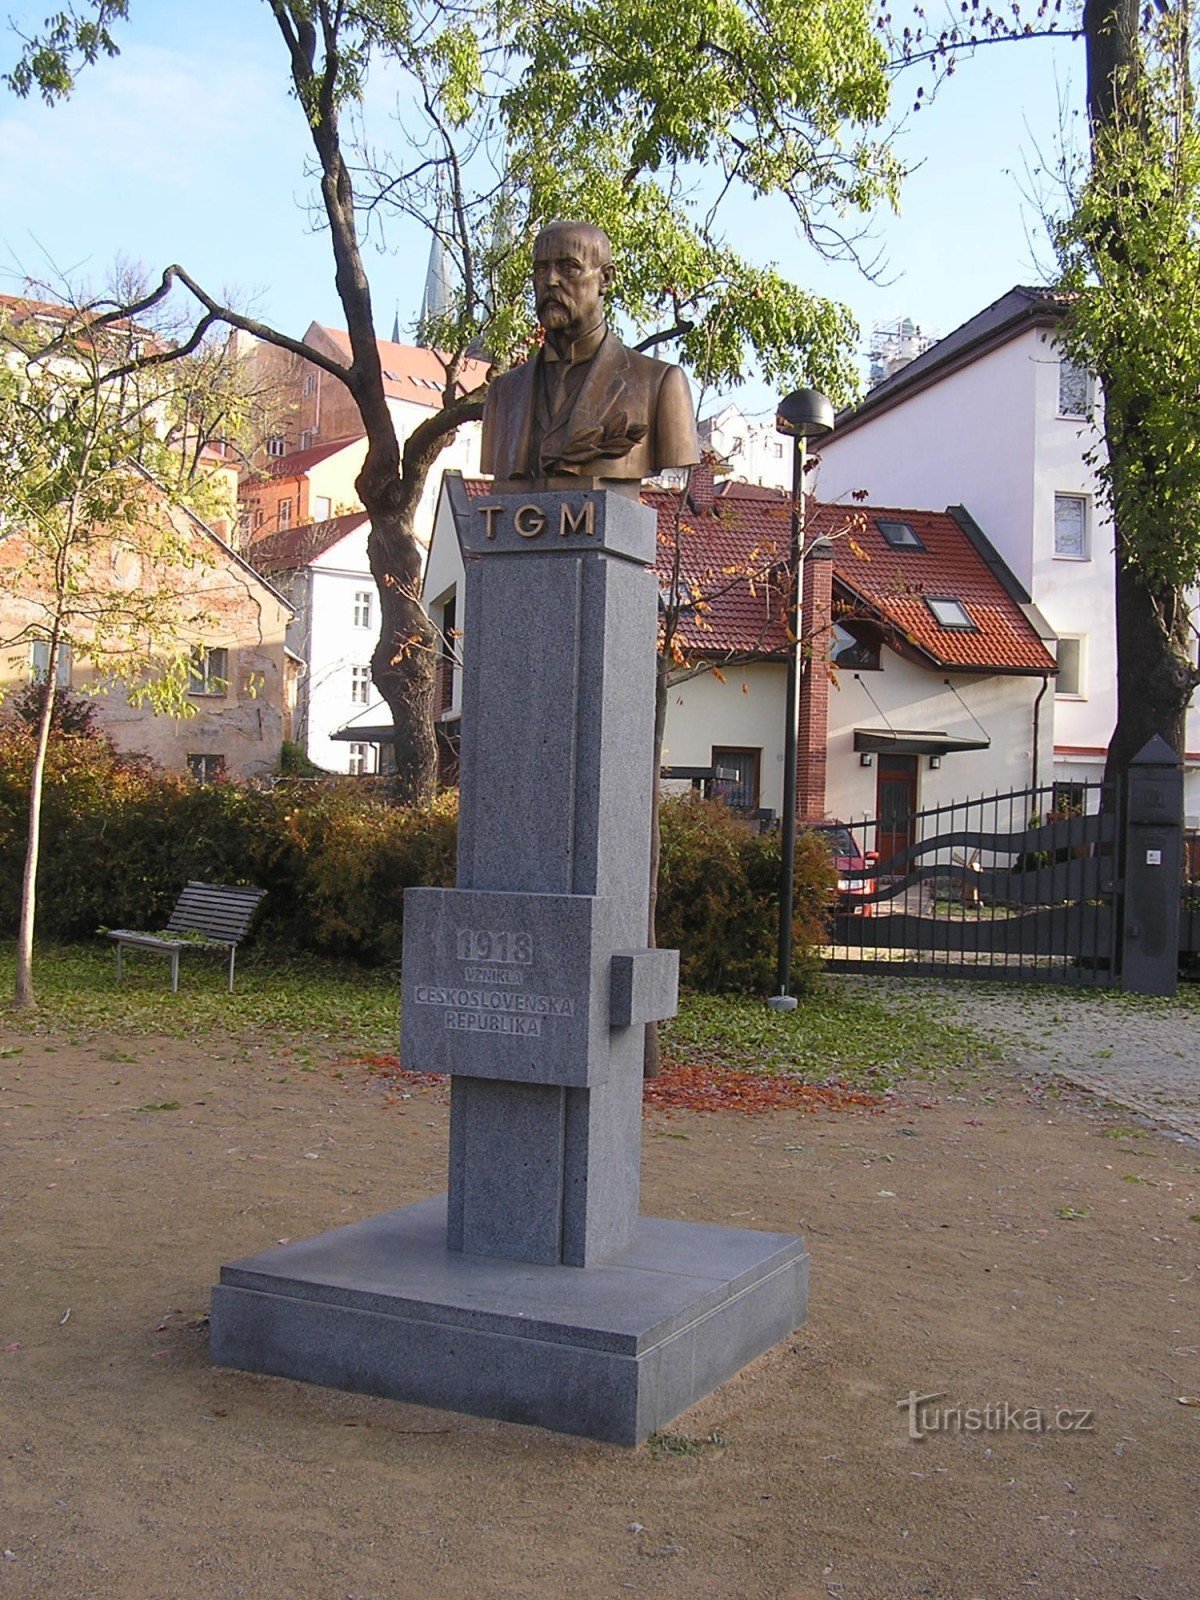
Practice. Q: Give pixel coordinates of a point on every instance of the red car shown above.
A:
(849, 859)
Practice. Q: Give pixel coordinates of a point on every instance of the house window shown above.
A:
(735, 779)
(208, 671)
(360, 685)
(777, 449)
(1074, 389)
(360, 760)
(1070, 527)
(949, 612)
(444, 680)
(362, 608)
(1069, 684)
(39, 662)
(285, 513)
(260, 516)
(306, 439)
(276, 445)
(900, 535)
(738, 445)
(310, 384)
(854, 647)
(322, 507)
(206, 769)
(1070, 799)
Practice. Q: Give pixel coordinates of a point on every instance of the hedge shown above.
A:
(120, 837)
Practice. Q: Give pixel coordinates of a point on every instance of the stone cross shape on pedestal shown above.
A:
(530, 982)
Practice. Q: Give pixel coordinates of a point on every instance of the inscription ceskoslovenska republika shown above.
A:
(507, 986)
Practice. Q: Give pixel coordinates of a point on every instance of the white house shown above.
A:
(322, 569)
(995, 416)
(753, 452)
(308, 532)
(926, 675)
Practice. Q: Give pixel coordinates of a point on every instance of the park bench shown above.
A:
(207, 916)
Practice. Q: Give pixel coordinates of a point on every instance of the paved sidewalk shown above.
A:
(1142, 1053)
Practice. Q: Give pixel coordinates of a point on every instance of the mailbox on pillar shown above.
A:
(1153, 868)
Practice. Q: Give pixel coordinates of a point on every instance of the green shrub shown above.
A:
(718, 898)
(120, 837)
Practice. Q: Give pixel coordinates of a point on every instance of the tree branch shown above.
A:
(677, 332)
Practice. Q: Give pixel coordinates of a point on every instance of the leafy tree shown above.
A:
(95, 559)
(1128, 252)
(516, 114)
(1130, 257)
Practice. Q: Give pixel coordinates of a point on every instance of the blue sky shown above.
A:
(186, 148)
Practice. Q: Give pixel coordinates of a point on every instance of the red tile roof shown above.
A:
(731, 558)
(297, 547)
(732, 555)
(299, 462)
(896, 583)
(411, 372)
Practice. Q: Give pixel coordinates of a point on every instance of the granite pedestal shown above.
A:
(613, 1352)
(533, 1292)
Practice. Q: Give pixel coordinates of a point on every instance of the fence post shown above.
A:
(1153, 870)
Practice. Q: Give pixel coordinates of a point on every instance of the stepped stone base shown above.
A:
(612, 1352)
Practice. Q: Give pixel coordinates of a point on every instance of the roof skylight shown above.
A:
(950, 612)
(900, 535)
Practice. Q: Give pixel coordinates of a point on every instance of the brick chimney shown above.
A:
(702, 489)
(816, 617)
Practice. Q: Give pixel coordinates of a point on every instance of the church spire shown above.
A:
(438, 299)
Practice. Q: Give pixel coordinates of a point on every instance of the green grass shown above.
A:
(295, 998)
(834, 1034)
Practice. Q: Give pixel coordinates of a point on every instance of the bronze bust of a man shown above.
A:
(585, 407)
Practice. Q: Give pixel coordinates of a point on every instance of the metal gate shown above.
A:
(1018, 886)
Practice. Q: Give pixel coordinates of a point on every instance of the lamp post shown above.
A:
(803, 415)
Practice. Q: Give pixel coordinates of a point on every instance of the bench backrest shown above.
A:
(217, 910)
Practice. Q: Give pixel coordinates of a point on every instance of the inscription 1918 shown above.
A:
(499, 945)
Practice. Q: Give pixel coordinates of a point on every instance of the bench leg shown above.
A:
(119, 969)
(232, 955)
(174, 971)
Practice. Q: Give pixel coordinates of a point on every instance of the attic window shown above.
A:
(900, 535)
(949, 612)
(682, 598)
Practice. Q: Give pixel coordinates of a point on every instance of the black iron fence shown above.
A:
(1189, 905)
(1018, 886)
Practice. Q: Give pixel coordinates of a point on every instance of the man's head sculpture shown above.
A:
(572, 271)
(585, 408)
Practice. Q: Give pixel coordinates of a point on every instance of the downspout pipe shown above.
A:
(1037, 724)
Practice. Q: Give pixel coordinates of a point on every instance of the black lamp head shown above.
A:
(804, 414)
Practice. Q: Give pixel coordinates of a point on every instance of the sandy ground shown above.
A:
(996, 1243)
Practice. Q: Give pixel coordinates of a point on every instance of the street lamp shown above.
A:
(803, 415)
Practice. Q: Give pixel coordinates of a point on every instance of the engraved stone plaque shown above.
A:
(509, 986)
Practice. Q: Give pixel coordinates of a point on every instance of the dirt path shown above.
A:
(992, 1245)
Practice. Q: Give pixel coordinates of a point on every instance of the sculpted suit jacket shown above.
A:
(622, 391)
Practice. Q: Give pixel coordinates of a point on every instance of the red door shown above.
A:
(895, 806)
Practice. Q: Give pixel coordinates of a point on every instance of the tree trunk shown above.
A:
(23, 999)
(402, 665)
(1156, 674)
